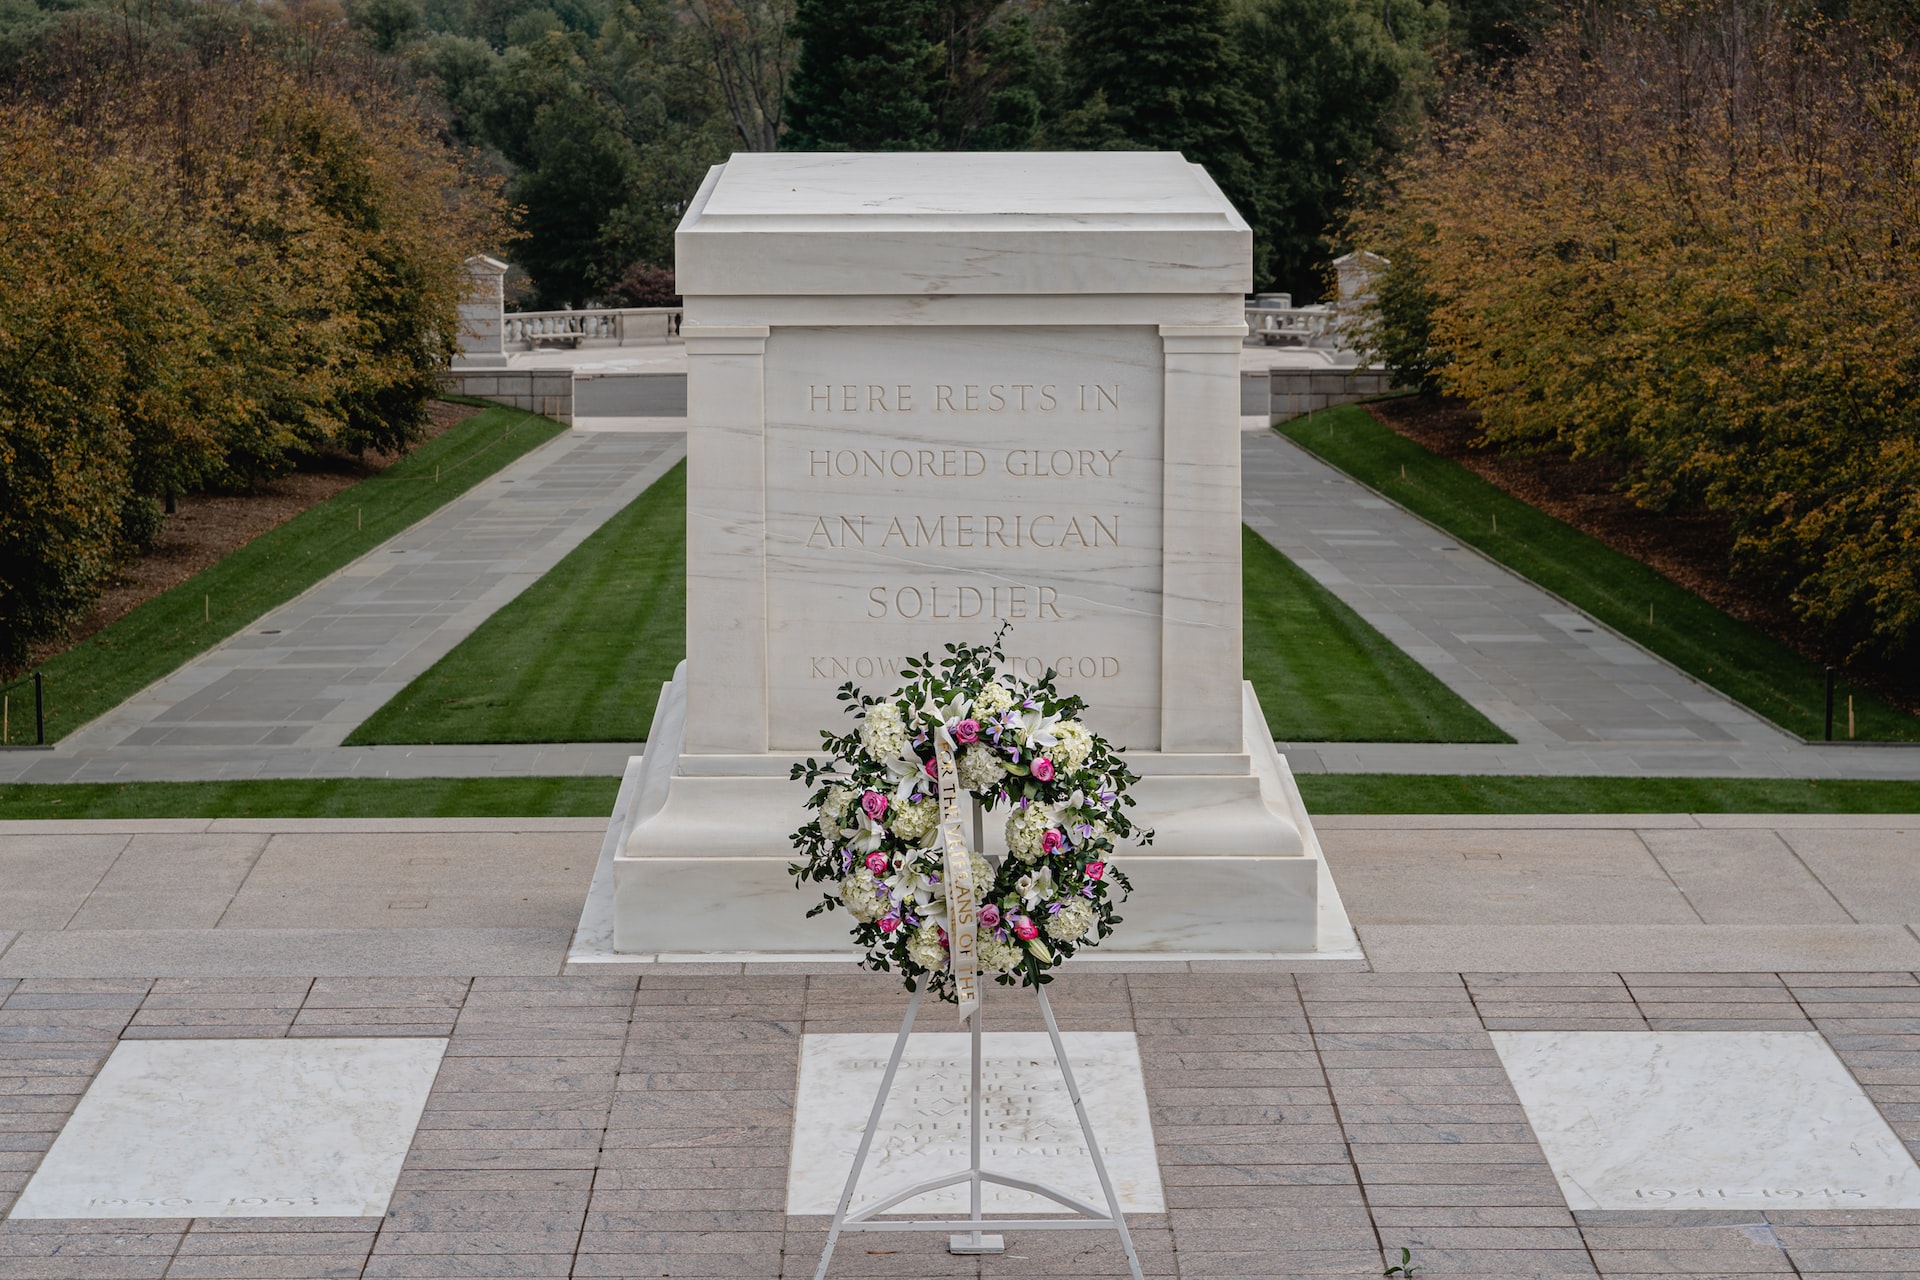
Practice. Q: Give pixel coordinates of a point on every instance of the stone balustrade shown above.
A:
(594, 326)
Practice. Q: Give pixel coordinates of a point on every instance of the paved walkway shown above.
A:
(278, 699)
(1307, 1124)
(1577, 697)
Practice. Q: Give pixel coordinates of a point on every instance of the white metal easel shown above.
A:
(973, 1239)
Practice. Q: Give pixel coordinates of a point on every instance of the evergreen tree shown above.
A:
(1336, 93)
(865, 78)
(1163, 75)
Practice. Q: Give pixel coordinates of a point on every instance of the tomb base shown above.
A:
(695, 861)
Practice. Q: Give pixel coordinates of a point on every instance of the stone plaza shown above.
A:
(924, 395)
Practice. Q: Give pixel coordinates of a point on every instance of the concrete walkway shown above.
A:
(1577, 697)
(278, 699)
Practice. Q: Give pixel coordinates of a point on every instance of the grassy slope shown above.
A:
(593, 797)
(578, 657)
(1718, 650)
(156, 638)
(1324, 675)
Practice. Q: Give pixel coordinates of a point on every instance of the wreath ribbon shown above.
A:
(963, 897)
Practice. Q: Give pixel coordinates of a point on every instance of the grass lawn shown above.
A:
(1740, 661)
(578, 657)
(581, 655)
(1324, 675)
(316, 798)
(593, 797)
(1451, 793)
(156, 638)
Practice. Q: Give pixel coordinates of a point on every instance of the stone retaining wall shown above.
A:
(544, 391)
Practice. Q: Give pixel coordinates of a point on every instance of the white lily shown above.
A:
(1035, 887)
(1036, 729)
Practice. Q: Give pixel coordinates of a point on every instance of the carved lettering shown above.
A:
(965, 531)
(941, 601)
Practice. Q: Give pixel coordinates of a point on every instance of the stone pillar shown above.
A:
(482, 324)
(726, 539)
(1200, 705)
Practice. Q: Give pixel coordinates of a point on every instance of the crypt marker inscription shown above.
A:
(925, 485)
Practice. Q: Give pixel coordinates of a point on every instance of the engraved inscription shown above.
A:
(924, 485)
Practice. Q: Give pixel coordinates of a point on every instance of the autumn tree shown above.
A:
(1688, 241)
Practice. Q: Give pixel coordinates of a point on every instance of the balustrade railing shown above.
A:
(1301, 326)
(593, 326)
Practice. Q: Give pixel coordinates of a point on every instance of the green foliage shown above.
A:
(1687, 239)
(230, 248)
(1715, 649)
(1336, 91)
(113, 664)
(578, 657)
(883, 75)
(1324, 675)
(864, 76)
(1164, 75)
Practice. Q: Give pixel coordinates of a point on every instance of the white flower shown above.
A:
(883, 731)
(1072, 744)
(833, 810)
(1036, 728)
(982, 874)
(980, 769)
(908, 882)
(1073, 920)
(861, 892)
(997, 956)
(915, 822)
(1025, 826)
(924, 948)
(1035, 887)
(992, 700)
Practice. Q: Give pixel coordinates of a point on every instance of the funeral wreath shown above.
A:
(896, 792)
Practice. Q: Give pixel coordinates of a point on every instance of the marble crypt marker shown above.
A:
(929, 394)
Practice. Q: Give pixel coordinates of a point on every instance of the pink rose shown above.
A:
(1052, 840)
(1025, 929)
(1096, 870)
(989, 916)
(933, 768)
(1043, 769)
(874, 804)
(889, 923)
(966, 731)
(877, 863)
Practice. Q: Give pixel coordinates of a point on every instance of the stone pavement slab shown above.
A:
(1329, 1122)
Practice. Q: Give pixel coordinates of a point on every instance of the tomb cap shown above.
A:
(940, 223)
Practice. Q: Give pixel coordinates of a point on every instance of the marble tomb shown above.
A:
(928, 394)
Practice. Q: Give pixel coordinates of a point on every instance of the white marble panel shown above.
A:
(238, 1129)
(924, 485)
(1030, 1130)
(1705, 1119)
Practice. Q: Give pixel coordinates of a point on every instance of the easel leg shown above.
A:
(975, 1241)
(1086, 1130)
(873, 1124)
